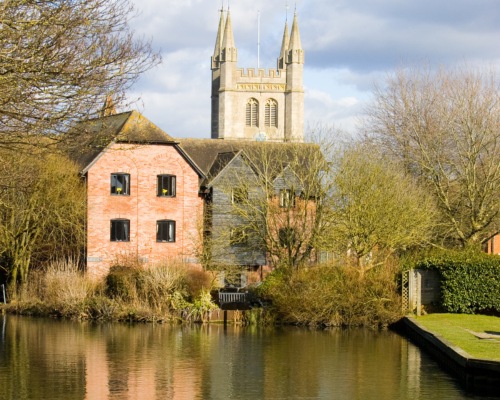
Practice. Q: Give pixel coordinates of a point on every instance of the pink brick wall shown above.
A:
(142, 207)
(493, 245)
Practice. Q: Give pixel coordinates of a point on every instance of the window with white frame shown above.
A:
(287, 198)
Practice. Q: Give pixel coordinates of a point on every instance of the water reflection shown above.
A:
(44, 359)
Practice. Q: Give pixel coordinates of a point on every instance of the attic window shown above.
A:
(166, 185)
(165, 231)
(120, 230)
(287, 198)
(120, 184)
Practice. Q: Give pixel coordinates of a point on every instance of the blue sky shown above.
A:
(349, 45)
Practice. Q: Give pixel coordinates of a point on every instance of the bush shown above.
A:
(470, 280)
(333, 296)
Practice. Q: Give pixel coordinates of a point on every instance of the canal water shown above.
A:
(48, 359)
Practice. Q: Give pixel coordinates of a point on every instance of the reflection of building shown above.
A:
(257, 105)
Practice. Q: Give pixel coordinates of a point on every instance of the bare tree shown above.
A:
(42, 211)
(376, 208)
(444, 126)
(276, 203)
(59, 60)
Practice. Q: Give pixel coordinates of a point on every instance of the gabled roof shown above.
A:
(271, 156)
(95, 135)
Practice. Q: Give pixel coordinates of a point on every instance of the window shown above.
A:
(166, 186)
(238, 236)
(165, 231)
(286, 237)
(271, 113)
(120, 230)
(287, 198)
(239, 195)
(252, 113)
(120, 184)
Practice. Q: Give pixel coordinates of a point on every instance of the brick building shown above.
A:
(142, 192)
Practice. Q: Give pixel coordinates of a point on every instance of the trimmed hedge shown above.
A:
(470, 281)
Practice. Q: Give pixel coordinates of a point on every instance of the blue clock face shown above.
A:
(261, 137)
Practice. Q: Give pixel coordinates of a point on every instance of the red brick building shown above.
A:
(492, 246)
(143, 197)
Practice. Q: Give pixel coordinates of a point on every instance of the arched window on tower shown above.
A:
(252, 115)
(272, 113)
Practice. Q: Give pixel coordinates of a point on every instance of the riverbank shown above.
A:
(478, 374)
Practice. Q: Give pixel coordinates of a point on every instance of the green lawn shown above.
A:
(454, 328)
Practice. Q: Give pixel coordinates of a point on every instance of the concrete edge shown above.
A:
(477, 375)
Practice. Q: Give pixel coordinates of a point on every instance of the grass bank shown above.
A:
(478, 335)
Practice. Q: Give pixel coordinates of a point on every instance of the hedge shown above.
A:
(470, 281)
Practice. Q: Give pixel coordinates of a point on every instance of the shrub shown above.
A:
(470, 280)
(333, 296)
(121, 283)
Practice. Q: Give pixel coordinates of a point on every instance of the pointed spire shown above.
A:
(295, 52)
(284, 48)
(218, 41)
(295, 36)
(229, 52)
(228, 40)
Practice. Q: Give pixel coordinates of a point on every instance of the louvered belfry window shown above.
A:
(252, 113)
(272, 113)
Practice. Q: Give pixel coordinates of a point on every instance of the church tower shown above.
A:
(257, 104)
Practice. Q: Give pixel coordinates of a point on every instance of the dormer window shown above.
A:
(166, 185)
(120, 184)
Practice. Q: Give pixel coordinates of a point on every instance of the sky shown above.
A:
(350, 46)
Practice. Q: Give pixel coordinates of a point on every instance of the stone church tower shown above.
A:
(257, 105)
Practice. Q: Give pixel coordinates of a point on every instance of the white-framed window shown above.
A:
(287, 198)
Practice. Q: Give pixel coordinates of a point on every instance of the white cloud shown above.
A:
(349, 45)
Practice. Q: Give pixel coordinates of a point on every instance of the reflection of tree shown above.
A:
(37, 349)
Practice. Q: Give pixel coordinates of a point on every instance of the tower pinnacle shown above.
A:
(216, 58)
(229, 52)
(295, 52)
(284, 48)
